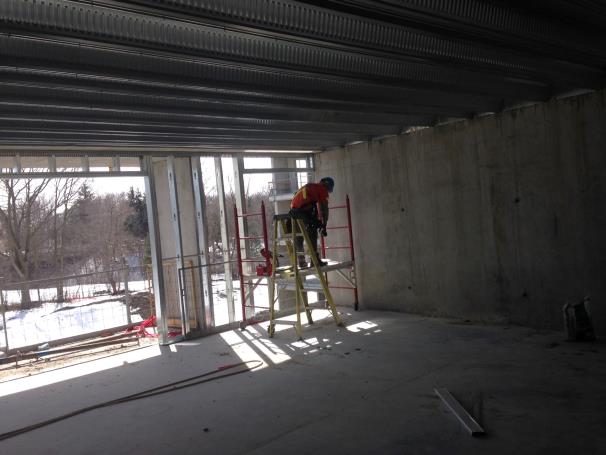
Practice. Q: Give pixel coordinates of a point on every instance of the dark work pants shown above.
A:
(311, 223)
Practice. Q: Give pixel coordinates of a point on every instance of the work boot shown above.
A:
(321, 263)
(302, 262)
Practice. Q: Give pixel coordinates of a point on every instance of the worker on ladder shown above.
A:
(310, 204)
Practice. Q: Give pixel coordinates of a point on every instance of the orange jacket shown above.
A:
(312, 193)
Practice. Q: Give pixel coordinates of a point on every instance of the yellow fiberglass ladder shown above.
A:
(289, 228)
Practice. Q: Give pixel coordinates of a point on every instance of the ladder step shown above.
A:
(307, 279)
(292, 287)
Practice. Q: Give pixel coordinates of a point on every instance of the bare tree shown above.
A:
(110, 239)
(21, 219)
(25, 214)
(65, 194)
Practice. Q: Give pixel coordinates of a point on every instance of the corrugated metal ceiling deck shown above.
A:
(280, 74)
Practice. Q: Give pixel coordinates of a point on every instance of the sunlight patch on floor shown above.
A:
(362, 326)
(242, 349)
(266, 347)
(76, 371)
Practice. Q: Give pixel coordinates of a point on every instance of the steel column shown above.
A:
(85, 164)
(116, 163)
(351, 249)
(18, 168)
(52, 164)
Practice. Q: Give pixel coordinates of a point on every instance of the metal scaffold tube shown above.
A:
(262, 271)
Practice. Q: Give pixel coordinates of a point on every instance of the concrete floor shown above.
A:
(367, 388)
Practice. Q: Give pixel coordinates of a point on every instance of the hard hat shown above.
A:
(329, 183)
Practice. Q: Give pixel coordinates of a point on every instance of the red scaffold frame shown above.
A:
(350, 247)
(266, 258)
(241, 261)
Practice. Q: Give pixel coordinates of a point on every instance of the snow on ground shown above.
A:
(54, 321)
(74, 293)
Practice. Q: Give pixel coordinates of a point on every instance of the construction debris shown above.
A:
(460, 413)
(577, 321)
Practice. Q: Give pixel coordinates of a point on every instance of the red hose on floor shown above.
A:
(141, 329)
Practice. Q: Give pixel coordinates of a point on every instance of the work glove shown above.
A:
(323, 232)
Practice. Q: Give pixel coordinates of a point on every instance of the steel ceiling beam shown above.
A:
(279, 73)
(112, 22)
(77, 124)
(190, 137)
(290, 89)
(23, 89)
(304, 19)
(124, 57)
(120, 26)
(167, 113)
(134, 151)
(77, 114)
(569, 12)
(131, 65)
(491, 23)
(63, 142)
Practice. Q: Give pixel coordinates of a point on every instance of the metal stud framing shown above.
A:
(176, 224)
(229, 286)
(202, 242)
(156, 251)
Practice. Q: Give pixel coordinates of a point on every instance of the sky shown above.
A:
(255, 182)
(106, 185)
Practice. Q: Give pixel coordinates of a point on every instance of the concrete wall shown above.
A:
(500, 218)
